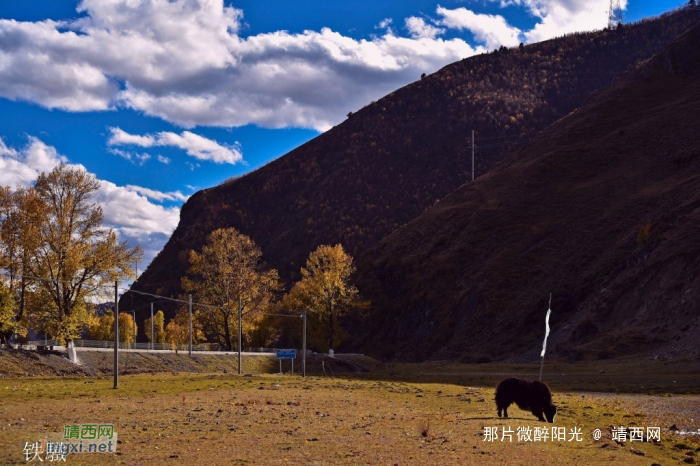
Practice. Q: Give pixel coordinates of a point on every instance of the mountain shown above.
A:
(390, 161)
(601, 209)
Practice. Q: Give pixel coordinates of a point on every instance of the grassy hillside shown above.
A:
(602, 210)
(395, 158)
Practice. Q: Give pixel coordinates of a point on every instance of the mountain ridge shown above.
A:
(394, 159)
(588, 211)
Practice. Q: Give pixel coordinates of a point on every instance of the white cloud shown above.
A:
(183, 61)
(126, 209)
(136, 219)
(20, 168)
(163, 159)
(384, 24)
(158, 195)
(130, 212)
(201, 147)
(195, 145)
(559, 17)
(137, 159)
(492, 30)
(419, 29)
(120, 136)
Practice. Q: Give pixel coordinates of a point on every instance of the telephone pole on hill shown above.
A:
(472, 155)
(614, 14)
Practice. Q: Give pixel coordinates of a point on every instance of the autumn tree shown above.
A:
(74, 255)
(226, 275)
(8, 322)
(127, 328)
(102, 327)
(158, 327)
(21, 213)
(177, 332)
(325, 289)
(262, 329)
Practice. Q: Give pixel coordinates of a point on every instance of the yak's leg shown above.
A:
(537, 411)
(503, 409)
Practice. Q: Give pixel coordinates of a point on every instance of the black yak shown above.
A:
(534, 396)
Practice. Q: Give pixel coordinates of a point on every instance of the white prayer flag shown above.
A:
(546, 333)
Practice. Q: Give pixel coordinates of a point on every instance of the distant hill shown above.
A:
(390, 161)
(602, 210)
(104, 307)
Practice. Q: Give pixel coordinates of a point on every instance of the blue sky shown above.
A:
(162, 98)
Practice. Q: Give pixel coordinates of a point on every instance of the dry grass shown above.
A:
(370, 419)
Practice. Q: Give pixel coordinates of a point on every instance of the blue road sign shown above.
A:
(286, 353)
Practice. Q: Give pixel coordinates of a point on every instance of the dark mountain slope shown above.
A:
(388, 162)
(602, 210)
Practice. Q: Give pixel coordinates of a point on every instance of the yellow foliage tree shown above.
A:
(21, 212)
(325, 289)
(58, 236)
(8, 322)
(227, 274)
(177, 332)
(262, 329)
(158, 327)
(127, 328)
(101, 328)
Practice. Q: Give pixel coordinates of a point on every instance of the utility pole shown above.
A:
(303, 350)
(240, 332)
(190, 325)
(152, 342)
(614, 14)
(133, 315)
(472, 155)
(116, 335)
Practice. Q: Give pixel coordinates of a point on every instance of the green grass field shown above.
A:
(397, 414)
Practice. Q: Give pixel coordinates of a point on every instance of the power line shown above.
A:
(167, 298)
